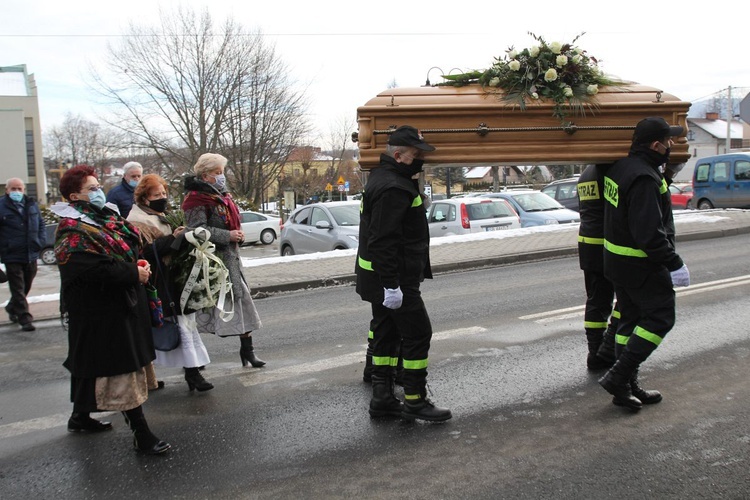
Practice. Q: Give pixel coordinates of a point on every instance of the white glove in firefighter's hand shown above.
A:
(393, 298)
(681, 277)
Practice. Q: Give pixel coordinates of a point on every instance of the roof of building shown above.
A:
(13, 81)
(718, 128)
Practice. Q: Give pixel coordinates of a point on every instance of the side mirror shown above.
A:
(323, 224)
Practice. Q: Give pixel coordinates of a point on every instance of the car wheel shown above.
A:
(48, 256)
(287, 251)
(267, 236)
(705, 205)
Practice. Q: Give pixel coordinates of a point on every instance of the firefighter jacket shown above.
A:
(638, 222)
(591, 210)
(394, 239)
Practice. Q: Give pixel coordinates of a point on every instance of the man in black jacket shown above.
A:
(392, 260)
(640, 257)
(22, 236)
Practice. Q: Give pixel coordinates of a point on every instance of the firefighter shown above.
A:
(640, 257)
(600, 292)
(392, 260)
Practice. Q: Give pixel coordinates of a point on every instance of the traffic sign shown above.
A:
(341, 181)
(346, 186)
(329, 187)
(745, 109)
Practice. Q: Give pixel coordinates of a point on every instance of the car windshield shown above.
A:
(536, 202)
(345, 215)
(488, 210)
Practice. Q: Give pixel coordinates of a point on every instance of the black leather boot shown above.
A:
(143, 439)
(196, 381)
(418, 407)
(646, 397)
(247, 353)
(594, 341)
(617, 382)
(384, 403)
(606, 351)
(82, 422)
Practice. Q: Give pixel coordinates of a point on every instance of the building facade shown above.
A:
(21, 132)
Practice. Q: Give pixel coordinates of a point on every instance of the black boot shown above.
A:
(594, 341)
(247, 354)
(196, 381)
(82, 422)
(418, 407)
(606, 351)
(646, 397)
(143, 439)
(384, 403)
(367, 373)
(617, 382)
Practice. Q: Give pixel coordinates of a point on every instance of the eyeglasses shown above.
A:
(93, 189)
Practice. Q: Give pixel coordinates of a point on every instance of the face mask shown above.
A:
(221, 181)
(159, 205)
(16, 196)
(132, 183)
(414, 168)
(97, 198)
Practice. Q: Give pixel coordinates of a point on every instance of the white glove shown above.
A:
(681, 277)
(393, 297)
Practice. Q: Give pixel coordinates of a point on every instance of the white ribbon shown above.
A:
(213, 270)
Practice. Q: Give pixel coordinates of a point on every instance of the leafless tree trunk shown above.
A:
(185, 88)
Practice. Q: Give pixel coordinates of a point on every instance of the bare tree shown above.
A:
(187, 88)
(337, 139)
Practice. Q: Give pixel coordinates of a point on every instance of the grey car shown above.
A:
(536, 208)
(320, 227)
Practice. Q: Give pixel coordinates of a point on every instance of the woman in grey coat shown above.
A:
(207, 204)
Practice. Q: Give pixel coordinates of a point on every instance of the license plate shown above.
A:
(495, 228)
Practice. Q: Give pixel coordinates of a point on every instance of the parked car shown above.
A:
(536, 208)
(47, 255)
(681, 195)
(259, 227)
(470, 215)
(722, 181)
(320, 227)
(564, 191)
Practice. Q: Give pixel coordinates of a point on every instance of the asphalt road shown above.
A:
(507, 358)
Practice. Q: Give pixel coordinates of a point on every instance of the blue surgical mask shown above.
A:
(221, 181)
(16, 196)
(97, 198)
(132, 183)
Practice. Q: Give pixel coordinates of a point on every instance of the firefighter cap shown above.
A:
(409, 136)
(655, 128)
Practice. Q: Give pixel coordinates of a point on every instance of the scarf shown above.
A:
(109, 234)
(222, 203)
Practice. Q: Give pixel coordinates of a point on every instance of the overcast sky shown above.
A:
(346, 52)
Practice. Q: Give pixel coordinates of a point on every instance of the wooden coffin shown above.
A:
(471, 127)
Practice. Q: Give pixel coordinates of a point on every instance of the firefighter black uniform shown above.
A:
(640, 257)
(600, 292)
(393, 254)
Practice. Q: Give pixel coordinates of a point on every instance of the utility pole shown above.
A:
(730, 108)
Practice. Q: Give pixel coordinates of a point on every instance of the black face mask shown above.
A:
(415, 167)
(159, 205)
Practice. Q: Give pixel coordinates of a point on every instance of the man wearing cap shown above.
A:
(22, 237)
(392, 260)
(640, 257)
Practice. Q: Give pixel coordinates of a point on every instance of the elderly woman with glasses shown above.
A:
(110, 348)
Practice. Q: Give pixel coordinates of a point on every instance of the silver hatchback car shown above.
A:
(470, 215)
(320, 227)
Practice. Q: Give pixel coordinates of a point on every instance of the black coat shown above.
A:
(22, 236)
(110, 329)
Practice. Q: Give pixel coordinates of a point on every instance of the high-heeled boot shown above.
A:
(247, 354)
(196, 381)
(143, 439)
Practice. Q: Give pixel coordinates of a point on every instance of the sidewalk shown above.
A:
(452, 253)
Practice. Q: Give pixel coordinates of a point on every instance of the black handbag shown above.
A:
(167, 336)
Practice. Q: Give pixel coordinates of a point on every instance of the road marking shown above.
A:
(256, 378)
(547, 317)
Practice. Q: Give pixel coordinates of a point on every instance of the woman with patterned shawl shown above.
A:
(110, 346)
(207, 204)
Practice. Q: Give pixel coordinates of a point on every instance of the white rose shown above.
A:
(555, 47)
(561, 61)
(577, 58)
(592, 89)
(514, 65)
(567, 91)
(494, 82)
(512, 53)
(534, 51)
(534, 95)
(550, 75)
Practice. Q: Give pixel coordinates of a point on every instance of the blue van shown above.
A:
(722, 181)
